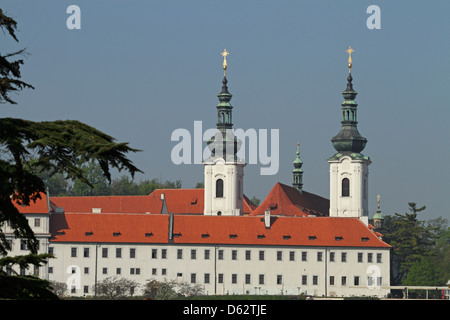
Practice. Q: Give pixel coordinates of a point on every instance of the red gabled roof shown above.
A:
(40, 206)
(288, 201)
(196, 229)
(178, 201)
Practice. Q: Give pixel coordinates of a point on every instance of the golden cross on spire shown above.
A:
(224, 54)
(349, 51)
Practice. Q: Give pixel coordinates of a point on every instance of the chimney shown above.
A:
(267, 218)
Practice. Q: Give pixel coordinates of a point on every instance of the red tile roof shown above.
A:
(92, 227)
(108, 204)
(195, 229)
(178, 201)
(40, 206)
(287, 201)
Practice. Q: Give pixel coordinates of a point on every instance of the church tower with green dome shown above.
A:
(349, 168)
(224, 171)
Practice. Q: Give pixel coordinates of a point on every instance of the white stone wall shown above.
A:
(229, 262)
(39, 223)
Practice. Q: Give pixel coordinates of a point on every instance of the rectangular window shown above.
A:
(37, 222)
(234, 278)
(118, 252)
(220, 278)
(85, 289)
(135, 271)
(344, 256)
(315, 280)
(206, 280)
(378, 257)
(193, 255)
(163, 253)
(279, 255)
(164, 271)
(51, 250)
(193, 278)
(220, 255)
(233, 254)
(356, 281)
(132, 253)
(304, 280)
(154, 253)
(248, 255)
(179, 253)
(261, 279)
(344, 281)
(86, 270)
(118, 270)
(36, 271)
(104, 252)
(105, 270)
(279, 279)
(304, 255)
(73, 252)
(360, 257)
(154, 271)
(331, 280)
(261, 255)
(291, 255)
(332, 256)
(247, 278)
(207, 254)
(369, 257)
(319, 256)
(86, 252)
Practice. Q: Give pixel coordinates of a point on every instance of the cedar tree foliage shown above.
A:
(56, 147)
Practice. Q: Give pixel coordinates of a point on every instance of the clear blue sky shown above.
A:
(138, 70)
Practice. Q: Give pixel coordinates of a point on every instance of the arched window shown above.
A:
(219, 188)
(345, 187)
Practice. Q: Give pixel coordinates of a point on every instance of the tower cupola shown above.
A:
(298, 171)
(349, 140)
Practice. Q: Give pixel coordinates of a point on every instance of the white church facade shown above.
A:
(293, 242)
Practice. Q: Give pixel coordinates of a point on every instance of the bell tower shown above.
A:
(224, 172)
(349, 168)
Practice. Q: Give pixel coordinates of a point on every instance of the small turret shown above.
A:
(298, 172)
(378, 217)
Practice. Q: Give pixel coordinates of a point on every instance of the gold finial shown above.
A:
(224, 54)
(378, 200)
(349, 51)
